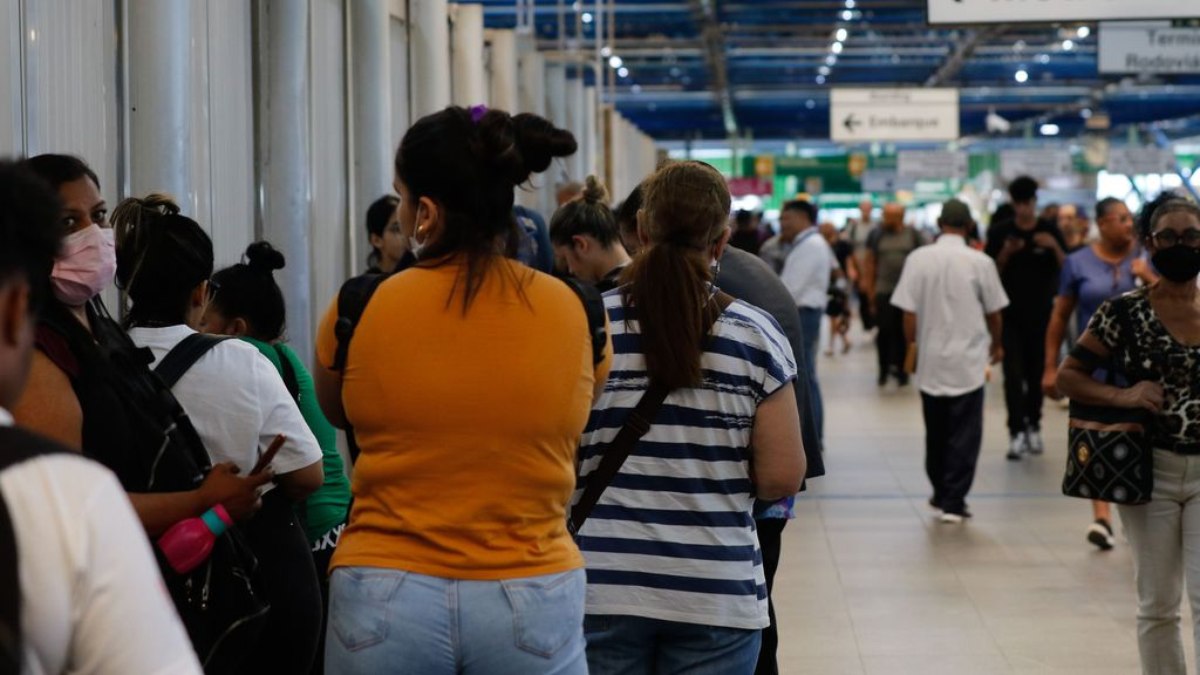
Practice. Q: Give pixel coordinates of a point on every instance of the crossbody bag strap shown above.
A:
(636, 426)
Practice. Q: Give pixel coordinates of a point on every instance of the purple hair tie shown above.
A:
(477, 113)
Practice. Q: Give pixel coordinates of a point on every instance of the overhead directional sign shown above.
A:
(1151, 47)
(1017, 11)
(1039, 164)
(1136, 160)
(857, 115)
(914, 165)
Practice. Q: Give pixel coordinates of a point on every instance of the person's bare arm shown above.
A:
(48, 406)
(158, 511)
(868, 276)
(910, 328)
(298, 485)
(1075, 381)
(995, 324)
(1063, 306)
(328, 385)
(779, 462)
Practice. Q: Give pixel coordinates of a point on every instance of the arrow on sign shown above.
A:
(851, 123)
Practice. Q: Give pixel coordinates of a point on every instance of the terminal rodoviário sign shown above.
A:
(1149, 47)
(858, 115)
(1016, 11)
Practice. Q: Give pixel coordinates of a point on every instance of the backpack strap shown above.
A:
(636, 426)
(184, 355)
(352, 302)
(19, 446)
(289, 373)
(593, 306)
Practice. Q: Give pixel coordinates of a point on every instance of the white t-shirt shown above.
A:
(92, 598)
(808, 270)
(951, 287)
(238, 403)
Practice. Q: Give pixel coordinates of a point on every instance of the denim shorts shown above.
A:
(391, 621)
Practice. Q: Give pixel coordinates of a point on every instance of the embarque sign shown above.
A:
(865, 115)
(1018, 11)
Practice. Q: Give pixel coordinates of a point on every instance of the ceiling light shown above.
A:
(847, 15)
(836, 48)
(587, 17)
(1022, 76)
(810, 104)
(1086, 113)
(1019, 46)
(1043, 58)
(831, 59)
(1068, 45)
(842, 34)
(824, 70)
(623, 72)
(1050, 129)
(1083, 32)
(850, 4)
(637, 89)
(577, 6)
(616, 62)
(820, 79)
(606, 51)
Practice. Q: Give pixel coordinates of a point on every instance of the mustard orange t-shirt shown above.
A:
(468, 424)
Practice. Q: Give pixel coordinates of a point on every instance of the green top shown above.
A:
(329, 506)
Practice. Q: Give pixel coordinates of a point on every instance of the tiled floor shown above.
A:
(870, 584)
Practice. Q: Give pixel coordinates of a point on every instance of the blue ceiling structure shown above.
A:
(701, 69)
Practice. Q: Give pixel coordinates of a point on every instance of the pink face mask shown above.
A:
(86, 266)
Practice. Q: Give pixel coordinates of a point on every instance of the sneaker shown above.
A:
(1100, 534)
(951, 518)
(902, 379)
(1018, 446)
(1034, 438)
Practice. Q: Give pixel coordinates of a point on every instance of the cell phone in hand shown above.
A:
(265, 460)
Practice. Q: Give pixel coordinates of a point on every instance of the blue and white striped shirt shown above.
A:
(673, 537)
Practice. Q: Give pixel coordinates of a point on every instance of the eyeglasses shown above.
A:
(1168, 238)
(213, 288)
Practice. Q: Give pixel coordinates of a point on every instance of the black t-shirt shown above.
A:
(842, 250)
(1031, 277)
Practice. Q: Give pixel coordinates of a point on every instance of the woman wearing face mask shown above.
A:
(73, 394)
(675, 574)
(1160, 351)
(238, 405)
(467, 382)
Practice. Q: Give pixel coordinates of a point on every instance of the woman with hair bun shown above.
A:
(457, 558)
(238, 405)
(585, 235)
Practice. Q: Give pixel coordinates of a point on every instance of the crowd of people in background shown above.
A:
(617, 508)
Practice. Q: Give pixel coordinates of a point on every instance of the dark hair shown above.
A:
(1171, 207)
(669, 284)
(802, 207)
(470, 169)
(379, 214)
(59, 169)
(627, 212)
(248, 291)
(589, 215)
(1103, 206)
(161, 257)
(743, 218)
(30, 229)
(1146, 218)
(1023, 189)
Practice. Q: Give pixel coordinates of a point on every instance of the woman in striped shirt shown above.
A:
(675, 577)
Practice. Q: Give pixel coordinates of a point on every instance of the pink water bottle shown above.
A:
(189, 542)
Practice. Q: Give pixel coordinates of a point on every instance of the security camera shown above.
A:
(997, 124)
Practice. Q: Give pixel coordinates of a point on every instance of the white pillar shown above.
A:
(371, 105)
(283, 157)
(533, 84)
(556, 95)
(591, 133)
(505, 94)
(576, 107)
(429, 45)
(159, 109)
(470, 77)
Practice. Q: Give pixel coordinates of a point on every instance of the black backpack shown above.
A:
(219, 603)
(356, 293)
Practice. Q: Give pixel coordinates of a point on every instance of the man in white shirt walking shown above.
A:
(807, 272)
(951, 296)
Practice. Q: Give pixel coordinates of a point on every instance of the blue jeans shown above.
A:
(390, 621)
(632, 645)
(810, 323)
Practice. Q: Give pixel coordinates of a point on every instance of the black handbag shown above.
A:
(1109, 454)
